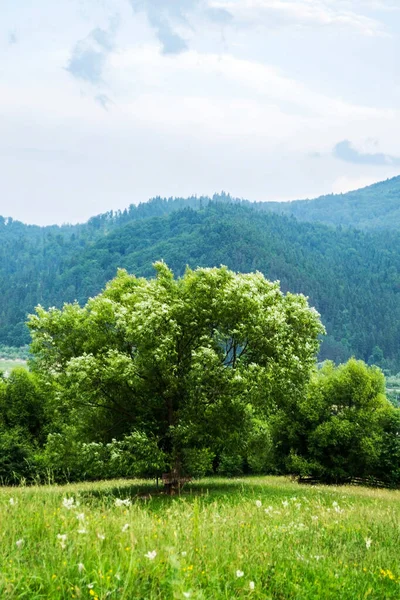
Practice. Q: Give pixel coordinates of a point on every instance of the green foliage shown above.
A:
(230, 464)
(351, 277)
(16, 456)
(343, 425)
(188, 362)
(375, 207)
(67, 458)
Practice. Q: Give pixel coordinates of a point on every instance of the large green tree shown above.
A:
(191, 362)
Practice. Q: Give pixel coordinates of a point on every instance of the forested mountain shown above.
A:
(352, 277)
(374, 207)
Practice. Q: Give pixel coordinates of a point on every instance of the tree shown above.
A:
(342, 425)
(190, 362)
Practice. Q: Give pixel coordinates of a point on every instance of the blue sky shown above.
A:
(104, 103)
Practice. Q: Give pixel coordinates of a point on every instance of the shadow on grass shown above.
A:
(146, 493)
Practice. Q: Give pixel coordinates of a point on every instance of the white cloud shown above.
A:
(300, 13)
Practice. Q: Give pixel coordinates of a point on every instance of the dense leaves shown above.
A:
(351, 277)
(192, 362)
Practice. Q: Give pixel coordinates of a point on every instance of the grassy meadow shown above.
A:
(259, 537)
(7, 365)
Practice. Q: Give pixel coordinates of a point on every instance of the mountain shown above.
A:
(374, 207)
(351, 276)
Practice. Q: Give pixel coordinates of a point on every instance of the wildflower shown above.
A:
(368, 543)
(19, 543)
(285, 503)
(187, 594)
(268, 510)
(83, 530)
(92, 592)
(119, 502)
(80, 517)
(314, 518)
(239, 573)
(101, 536)
(68, 503)
(184, 553)
(151, 555)
(90, 586)
(258, 503)
(125, 527)
(298, 505)
(252, 585)
(335, 504)
(81, 567)
(12, 502)
(62, 537)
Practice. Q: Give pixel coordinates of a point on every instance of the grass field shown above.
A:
(6, 365)
(222, 539)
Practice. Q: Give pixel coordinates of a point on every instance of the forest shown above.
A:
(350, 276)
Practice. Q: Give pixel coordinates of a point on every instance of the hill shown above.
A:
(374, 207)
(352, 277)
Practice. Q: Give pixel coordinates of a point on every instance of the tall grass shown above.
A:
(245, 538)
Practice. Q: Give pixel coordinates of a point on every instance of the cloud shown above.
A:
(89, 55)
(161, 15)
(103, 100)
(304, 13)
(168, 17)
(345, 151)
(217, 15)
(12, 38)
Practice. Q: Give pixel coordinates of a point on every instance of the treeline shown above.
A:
(341, 427)
(212, 372)
(352, 277)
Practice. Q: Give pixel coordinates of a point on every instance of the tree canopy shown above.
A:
(191, 362)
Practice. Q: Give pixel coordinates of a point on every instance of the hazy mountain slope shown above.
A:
(350, 276)
(374, 207)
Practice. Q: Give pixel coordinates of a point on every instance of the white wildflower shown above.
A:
(125, 527)
(314, 518)
(285, 503)
(120, 502)
(335, 504)
(19, 543)
(252, 585)
(187, 594)
(151, 555)
(298, 505)
(12, 502)
(258, 503)
(184, 553)
(90, 586)
(62, 537)
(368, 543)
(80, 517)
(82, 531)
(81, 567)
(239, 573)
(68, 503)
(101, 536)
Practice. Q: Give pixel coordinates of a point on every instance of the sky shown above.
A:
(106, 103)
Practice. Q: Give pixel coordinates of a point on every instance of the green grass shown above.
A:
(302, 542)
(7, 365)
